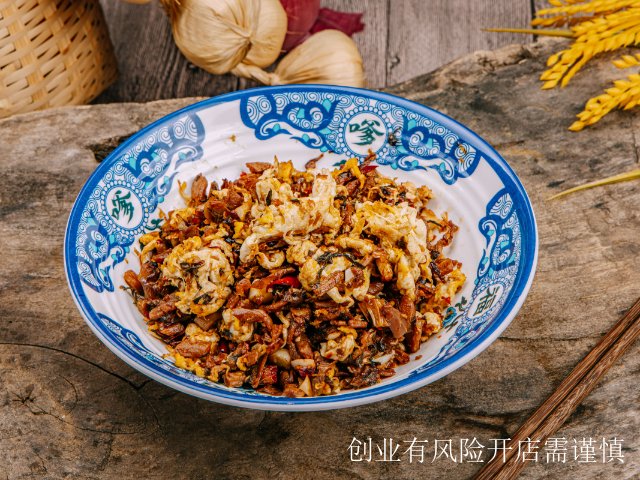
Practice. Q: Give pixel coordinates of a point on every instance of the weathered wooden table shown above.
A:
(69, 408)
(392, 44)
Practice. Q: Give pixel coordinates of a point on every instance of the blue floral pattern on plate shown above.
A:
(121, 201)
(353, 125)
(120, 207)
(495, 278)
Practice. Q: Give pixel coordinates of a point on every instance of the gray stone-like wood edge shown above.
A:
(70, 408)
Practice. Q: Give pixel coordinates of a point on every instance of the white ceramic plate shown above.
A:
(497, 242)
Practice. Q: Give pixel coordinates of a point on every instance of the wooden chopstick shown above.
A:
(570, 393)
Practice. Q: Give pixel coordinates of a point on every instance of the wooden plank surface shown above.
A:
(402, 38)
(372, 42)
(150, 65)
(69, 408)
(425, 34)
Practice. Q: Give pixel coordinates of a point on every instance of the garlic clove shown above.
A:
(270, 20)
(305, 386)
(329, 57)
(207, 34)
(217, 35)
(281, 358)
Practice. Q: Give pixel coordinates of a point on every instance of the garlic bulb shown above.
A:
(218, 35)
(329, 57)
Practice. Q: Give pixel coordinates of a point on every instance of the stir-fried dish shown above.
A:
(297, 283)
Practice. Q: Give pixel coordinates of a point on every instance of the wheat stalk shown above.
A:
(627, 61)
(624, 94)
(574, 12)
(595, 26)
(602, 34)
(623, 177)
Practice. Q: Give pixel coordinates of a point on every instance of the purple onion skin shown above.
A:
(301, 15)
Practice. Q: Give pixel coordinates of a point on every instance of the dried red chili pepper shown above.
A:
(292, 282)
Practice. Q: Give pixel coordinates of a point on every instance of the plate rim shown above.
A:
(353, 398)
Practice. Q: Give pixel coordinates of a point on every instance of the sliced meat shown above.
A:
(294, 296)
(301, 315)
(171, 330)
(275, 306)
(234, 198)
(256, 373)
(367, 376)
(290, 390)
(234, 379)
(248, 182)
(270, 390)
(205, 323)
(269, 375)
(259, 291)
(190, 348)
(446, 265)
(357, 278)
(408, 308)
(371, 308)
(353, 186)
(243, 286)
(384, 266)
(330, 314)
(253, 316)
(249, 359)
(163, 309)
(375, 288)
(190, 231)
(304, 346)
(199, 190)
(131, 279)
(357, 323)
(258, 167)
(413, 341)
(214, 210)
(327, 283)
(397, 322)
(148, 277)
(346, 215)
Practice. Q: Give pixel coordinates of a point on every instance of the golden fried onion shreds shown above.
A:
(298, 282)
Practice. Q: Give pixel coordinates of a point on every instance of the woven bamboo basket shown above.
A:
(52, 53)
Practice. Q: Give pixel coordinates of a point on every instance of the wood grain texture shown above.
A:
(150, 65)
(540, 4)
(70, 408)
(425, 34)
(402, 38)
(555, 410)
(372, 42)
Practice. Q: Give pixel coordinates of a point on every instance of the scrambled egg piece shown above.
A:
(149, 241)
(202, 273)
(454, 282)
(339, 345)
(194, 332)
(278, 213)
(179, 218)
(233, 329)
(313, 273)
(402, 234)
(299, 252)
